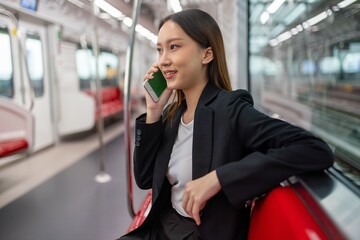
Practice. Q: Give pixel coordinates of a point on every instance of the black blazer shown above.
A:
(251, 153)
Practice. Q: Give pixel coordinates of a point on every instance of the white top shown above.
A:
(180, 165)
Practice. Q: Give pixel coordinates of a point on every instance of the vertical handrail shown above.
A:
(23, 53)
(84, 46)
(127, 84)
(102, 177)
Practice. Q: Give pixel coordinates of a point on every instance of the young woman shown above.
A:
(209, 151)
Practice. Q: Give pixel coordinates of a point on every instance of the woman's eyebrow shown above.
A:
(170, 40)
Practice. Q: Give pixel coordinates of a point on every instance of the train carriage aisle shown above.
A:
(53, 194)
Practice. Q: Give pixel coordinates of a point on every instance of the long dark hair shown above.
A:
(203, 29)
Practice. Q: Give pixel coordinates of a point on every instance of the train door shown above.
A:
(35, 70)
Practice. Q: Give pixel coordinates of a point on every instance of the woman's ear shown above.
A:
(208, 55)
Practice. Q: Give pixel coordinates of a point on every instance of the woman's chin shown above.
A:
(171, 87)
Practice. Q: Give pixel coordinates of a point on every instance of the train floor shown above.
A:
(53, 194)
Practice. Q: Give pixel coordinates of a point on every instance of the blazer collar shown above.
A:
(208, 94)
(202, 135)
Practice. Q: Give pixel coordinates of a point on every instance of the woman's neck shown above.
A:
(192, 97)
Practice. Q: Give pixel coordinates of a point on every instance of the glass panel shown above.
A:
(35, 63)
(305, 68)
(108, 68)
(84, 65)
(6, 67)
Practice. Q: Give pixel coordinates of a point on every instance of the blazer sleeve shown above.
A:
(276, 150)
(148, 139)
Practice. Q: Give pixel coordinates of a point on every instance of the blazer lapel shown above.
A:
(202, 142)
(203, 132)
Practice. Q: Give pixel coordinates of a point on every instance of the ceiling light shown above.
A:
(127, 21)
(264, 17)
(273, 42)
(274, 6)
(284, 36)
(318, 18)
(345, 3)
(174, 5)
(113, 11)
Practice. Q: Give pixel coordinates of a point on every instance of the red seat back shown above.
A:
(282, 215)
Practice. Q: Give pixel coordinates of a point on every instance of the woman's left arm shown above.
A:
(277, 150)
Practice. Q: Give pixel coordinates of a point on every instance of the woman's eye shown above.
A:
(173, 46)
(159, 50)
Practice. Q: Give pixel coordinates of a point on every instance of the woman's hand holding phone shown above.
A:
(155, 108)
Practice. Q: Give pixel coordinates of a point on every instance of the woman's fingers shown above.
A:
(151, 71)
(198, 192)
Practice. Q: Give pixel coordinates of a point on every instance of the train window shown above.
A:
(84, 64)
(351, 63)
(308, 67)
(6, 67)
(35, 64)
(107, 66)
(29, 4)
(330, 65)
(314, 61)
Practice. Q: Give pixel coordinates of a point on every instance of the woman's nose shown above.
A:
(164, 59)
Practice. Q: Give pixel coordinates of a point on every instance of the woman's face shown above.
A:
(181, 59)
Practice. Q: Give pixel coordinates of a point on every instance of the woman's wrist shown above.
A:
(153, 116)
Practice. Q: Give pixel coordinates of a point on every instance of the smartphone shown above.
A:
(155, 86)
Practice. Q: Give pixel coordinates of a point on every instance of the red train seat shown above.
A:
(282, 215)
(10, 147)
(142, 213)
(16, 128)
(112, 101)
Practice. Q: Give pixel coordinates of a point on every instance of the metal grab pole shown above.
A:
(23, 54)
(102, 177)
(127, 84)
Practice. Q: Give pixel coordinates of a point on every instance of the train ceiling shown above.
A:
(298, 19)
